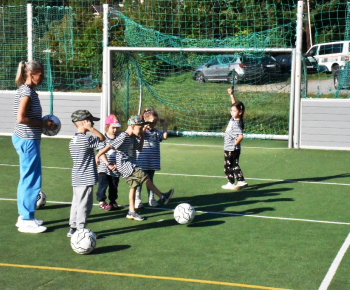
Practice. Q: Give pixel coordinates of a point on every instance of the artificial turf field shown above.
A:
(288, 230)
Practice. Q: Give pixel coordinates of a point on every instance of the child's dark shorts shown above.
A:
(136, 178)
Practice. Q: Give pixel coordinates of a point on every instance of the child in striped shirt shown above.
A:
(126, 145)
(232, 146)
(84, 172)
(149, 158)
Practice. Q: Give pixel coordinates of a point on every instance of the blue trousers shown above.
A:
(105, 181)
(29, 184)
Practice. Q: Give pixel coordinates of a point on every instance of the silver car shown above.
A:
(223, 68)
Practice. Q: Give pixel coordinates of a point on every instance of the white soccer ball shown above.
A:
(83, 241)
(184, 213)
(40, 200)
(55, 131)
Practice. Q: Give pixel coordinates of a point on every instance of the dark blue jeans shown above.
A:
(105, 181)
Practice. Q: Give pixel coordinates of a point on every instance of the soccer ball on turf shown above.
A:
(184, 213)
(83, 241)
(40, 200)
(52, 132)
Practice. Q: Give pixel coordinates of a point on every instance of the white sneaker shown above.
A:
(138, 204)
(228, 186)
(30, 226)
(19, 221)
(240, 185)
(152, 202)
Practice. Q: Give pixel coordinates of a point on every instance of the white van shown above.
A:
(329, 57)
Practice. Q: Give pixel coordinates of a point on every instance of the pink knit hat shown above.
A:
(112, 120)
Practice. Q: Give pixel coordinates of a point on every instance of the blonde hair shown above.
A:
(24, 68)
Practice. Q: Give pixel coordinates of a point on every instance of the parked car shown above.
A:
(329, 57)
(342, 77)
(285, 62)
(272, 69)
(223, 67)
(270, 64)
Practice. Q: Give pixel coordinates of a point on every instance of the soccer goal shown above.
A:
(188, 87)
(183, 72)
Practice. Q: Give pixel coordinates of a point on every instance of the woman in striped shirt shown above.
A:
(26, 140)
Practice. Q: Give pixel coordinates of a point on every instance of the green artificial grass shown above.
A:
(283, 231)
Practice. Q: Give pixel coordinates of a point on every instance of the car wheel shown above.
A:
(336, 82)
(199, 77)
(335, 68)
(235, 79)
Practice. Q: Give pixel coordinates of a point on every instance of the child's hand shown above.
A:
(112, 167)
(50, 125)
(88, 125)
(230, 92)
(97, 160)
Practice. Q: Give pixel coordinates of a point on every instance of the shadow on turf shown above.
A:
(296, 180)
(64, 223)
(110, 249)
(223, 201)
(213, 205)
(54, 206)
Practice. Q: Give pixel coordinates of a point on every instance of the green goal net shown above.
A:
(188, 88)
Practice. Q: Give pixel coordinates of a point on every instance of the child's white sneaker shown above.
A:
(19, 221)
(228, 186)
(138, 204)
(31, 226)
(152, 202)
(240, 185)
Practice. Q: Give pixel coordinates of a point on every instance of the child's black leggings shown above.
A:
(231, 167)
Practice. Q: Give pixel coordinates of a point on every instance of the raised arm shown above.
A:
(164, 123)
(142, 139)
(89, 126)
(230, 92)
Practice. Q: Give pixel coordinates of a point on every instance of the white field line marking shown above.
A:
(334, 267)
(251, 178)
(212, 176)
(217, 213)
(219, 146)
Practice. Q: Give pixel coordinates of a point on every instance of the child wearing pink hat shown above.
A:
(108, 178)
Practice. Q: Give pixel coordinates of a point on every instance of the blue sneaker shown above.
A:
(71, 232)
(167, 196)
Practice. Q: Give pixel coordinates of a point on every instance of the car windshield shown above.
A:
(250, 59)
(226, 59)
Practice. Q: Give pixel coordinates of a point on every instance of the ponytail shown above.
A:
(24, 68)
(240, 107)
(21, 74)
